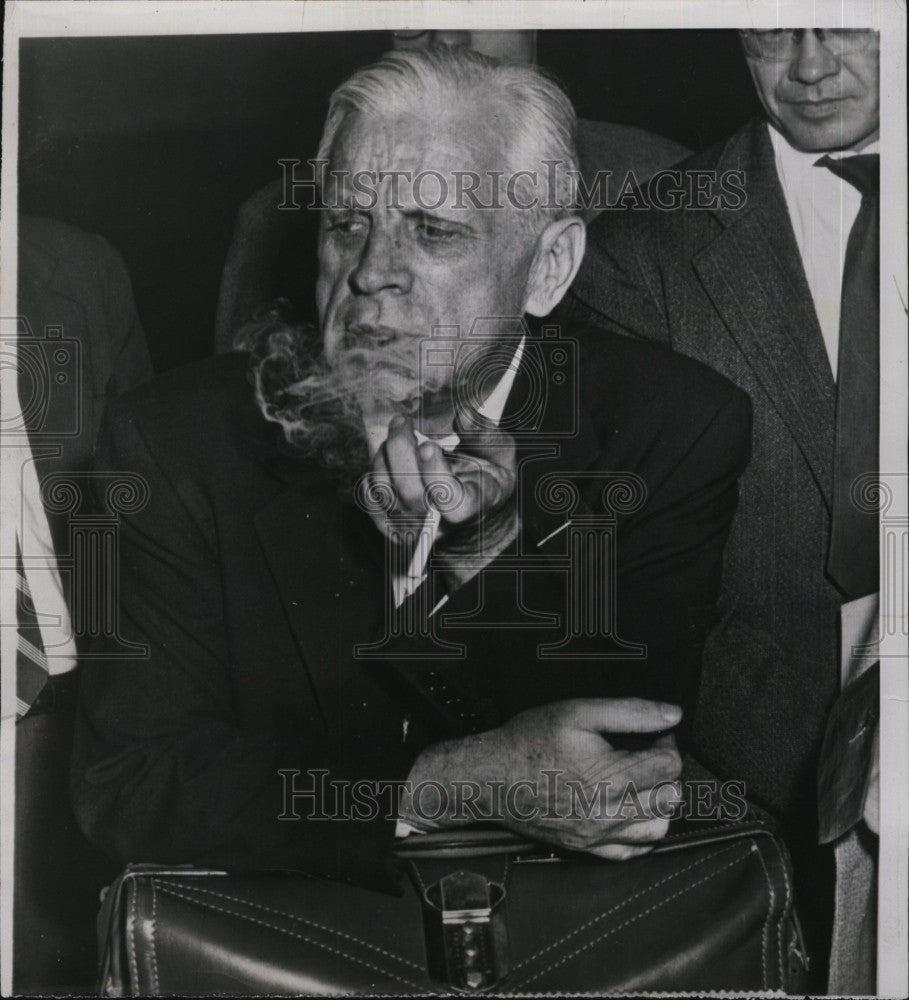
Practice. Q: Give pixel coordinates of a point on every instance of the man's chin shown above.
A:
(822, 128)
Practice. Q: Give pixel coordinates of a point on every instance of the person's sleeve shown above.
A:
(162, 770)
(130, 362)
(671, 553)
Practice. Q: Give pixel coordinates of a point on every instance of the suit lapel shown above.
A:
(326, 560)
(754, 276)
(563, 438)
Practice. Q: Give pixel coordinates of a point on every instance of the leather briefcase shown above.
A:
(709, 909)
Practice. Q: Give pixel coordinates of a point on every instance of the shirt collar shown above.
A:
(793, 164)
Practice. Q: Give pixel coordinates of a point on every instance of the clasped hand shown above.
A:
(552, 774)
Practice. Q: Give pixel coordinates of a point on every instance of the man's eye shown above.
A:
(437, 232)
(347, 225)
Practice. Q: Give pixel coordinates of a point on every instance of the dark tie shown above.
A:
(852, 559)
(31, 660)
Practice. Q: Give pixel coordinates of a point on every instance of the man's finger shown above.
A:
(637, 832)
(620, 715)
(380, 479)
(401, 457)
(619, 852)
(443, 489)
(643, 768)
(665, 798)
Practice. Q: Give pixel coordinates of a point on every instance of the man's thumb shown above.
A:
(623, 715)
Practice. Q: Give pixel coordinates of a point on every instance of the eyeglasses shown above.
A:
(780, 44)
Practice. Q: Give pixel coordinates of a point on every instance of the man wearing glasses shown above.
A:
(778, 291)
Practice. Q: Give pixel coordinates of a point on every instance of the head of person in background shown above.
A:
(820, 87)
(465, 221)
(508, 46)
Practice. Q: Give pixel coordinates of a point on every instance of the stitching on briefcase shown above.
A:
(786, 905)
(765, 933)
(289, 933)
(156, 987)
(165, 886)
(628, 899)
(789, 902)
(613, 930)
(416, 871)
(131, 939)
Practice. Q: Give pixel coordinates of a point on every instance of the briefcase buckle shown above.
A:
(466, 932)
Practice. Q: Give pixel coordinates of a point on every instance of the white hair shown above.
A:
(532, 111)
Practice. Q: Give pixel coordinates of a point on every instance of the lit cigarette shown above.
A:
(416, 572)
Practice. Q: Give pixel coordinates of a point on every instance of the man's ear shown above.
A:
(558, 254)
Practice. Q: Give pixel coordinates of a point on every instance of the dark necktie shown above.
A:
(852, 559)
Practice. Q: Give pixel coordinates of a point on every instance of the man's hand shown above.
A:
(466, 485)
(552, 774)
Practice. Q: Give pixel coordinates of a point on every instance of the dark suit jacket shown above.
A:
(250, 581)
(727, 287)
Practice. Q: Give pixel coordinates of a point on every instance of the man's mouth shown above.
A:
(369, 335)
(818, 109)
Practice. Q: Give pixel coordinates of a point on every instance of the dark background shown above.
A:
(154, 142)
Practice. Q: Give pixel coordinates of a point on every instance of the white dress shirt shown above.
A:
(39, 563)
(822, 208)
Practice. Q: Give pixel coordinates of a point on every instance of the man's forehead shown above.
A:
(452, 147)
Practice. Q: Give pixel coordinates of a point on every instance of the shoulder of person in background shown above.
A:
(661, 219)
(620, 150)
(271, 254)
(76, 280)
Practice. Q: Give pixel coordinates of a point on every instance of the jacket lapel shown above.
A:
(326, 560)
(560, 445)
(754, 276)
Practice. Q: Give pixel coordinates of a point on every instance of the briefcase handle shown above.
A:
(486, 839)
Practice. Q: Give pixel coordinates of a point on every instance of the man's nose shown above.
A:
(381, 267)
(813, 61)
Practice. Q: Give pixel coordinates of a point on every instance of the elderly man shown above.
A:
(271, 248)
(778, 292)
(276, 595)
